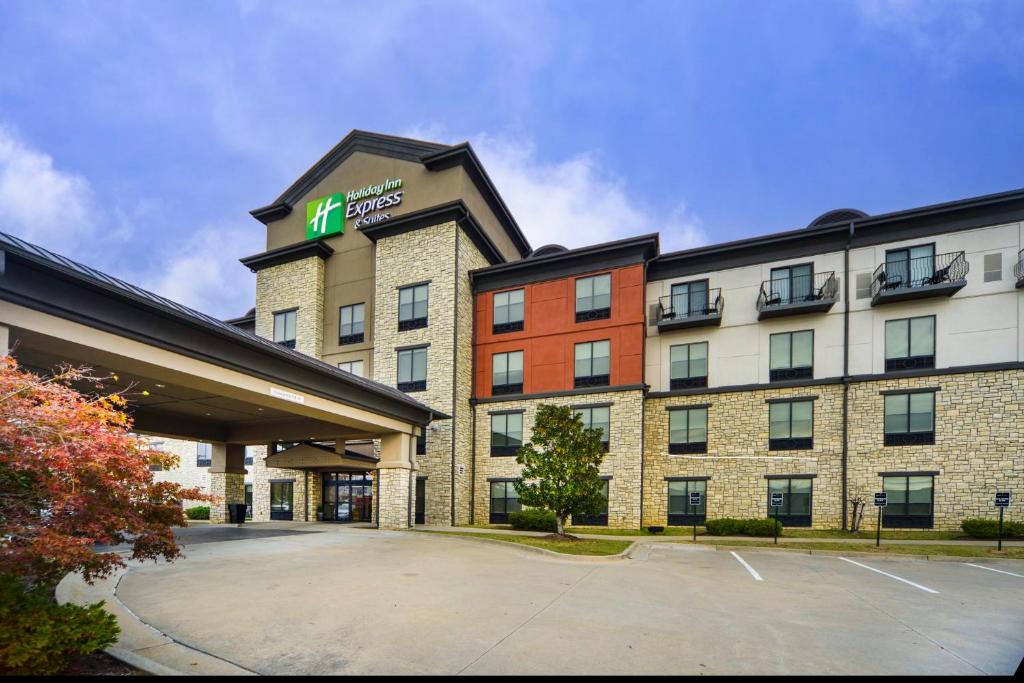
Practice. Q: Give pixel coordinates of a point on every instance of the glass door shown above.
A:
(347, 497)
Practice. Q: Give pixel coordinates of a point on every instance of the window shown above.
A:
(594, 298)
(248, 454)
(504, 500)
(791, 356)
(688, 430)
(599, 518)
(792, 284)
(910, 419)
(592, 364)
(412, 369)
(993, 267)
(412, 307)
(688, 366)
(911, 267)
(863, 285)
(690, 298)
(284, 328)
(796, 501)
(680, 512)
(790, 425)
(204, 455)
(281, 500)
(352, 329)
(421, 442)
(506, 433)
(909, 503)
(507, 373)
(248, 501)
(910, 343)
(508, 311)
(597, 417)
(353, 366)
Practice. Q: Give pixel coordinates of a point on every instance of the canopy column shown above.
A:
(396, 481)
(227, 479)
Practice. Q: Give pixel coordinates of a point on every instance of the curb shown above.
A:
(624, 555)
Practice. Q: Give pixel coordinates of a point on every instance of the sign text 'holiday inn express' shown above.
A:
(327, 215)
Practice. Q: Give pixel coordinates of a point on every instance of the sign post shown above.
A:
(695, 503)
(776, 502)
(1002, 502)
(881, 501)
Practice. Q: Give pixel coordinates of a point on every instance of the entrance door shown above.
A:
(281, 500)
(421, 500)
(347, 497)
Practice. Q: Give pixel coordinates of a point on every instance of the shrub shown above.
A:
(198, 512)
(533, 519)
(39, 637)
(984, 527)
(728, 526)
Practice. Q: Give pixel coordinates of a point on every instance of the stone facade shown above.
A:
(187, 473)
(622, 462)
(226, 488)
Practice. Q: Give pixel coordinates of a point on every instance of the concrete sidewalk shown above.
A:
(661, 538)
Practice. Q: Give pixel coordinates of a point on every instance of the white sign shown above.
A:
(287, 395)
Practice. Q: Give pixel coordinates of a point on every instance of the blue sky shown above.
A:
(136, 136)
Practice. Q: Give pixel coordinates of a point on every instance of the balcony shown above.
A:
(797, 295)
(919, 278)
(695, 309)
(1018, 270)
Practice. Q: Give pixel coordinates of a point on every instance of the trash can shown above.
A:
(236, 513)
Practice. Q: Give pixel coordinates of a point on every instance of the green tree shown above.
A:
(561, 465)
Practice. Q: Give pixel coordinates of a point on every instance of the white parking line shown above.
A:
(757, 577)
(892, 576)
(993, 570)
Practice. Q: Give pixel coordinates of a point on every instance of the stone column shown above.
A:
(227, 479)
(396, 481)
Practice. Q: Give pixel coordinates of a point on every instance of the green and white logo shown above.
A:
(325, 216)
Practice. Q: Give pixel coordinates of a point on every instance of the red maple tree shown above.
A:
(72, 476)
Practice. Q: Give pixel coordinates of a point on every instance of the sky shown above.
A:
(136, 136)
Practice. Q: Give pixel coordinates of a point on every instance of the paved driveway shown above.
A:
(350, 601)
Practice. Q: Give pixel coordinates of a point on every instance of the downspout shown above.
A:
(473, 407)
(846, 370)
(455, 368)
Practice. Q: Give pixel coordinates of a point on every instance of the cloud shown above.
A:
(44, 204)
(577, 200)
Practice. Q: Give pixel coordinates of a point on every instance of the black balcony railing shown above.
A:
(1018, 269)
(799, 290)
(690, 305)
(897, 277)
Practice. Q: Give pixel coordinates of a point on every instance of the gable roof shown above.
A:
(434, 156)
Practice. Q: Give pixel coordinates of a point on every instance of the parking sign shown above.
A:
(776, 500)
(1002, 499)
(695, 498)
(881, 500)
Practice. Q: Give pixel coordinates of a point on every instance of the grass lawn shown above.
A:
(890, 534)
(956, 550)
(582, 547)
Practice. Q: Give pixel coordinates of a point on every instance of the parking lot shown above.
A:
(359, 601)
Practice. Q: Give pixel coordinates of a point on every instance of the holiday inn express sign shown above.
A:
(327, 215)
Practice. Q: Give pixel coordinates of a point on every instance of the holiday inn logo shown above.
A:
(325, 216)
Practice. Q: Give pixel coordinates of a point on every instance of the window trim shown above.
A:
(910, 362)
(201, 461)
(907, 249)
(690, 517)
(580, 382)
(607, 433)
(786, 518)
(415, 384)
(691, 381)
(500, 517)
(789, 280)
(790, 443)
(907, 521)
(511, 325)
(687, 284)
(354, 338)
(908, 438)
(790, 373)
(414, 323)
(684, 447)
(508, 387)
(591, 314)
(287, 343)
(505, 450)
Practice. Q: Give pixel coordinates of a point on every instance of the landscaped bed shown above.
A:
(582, 546)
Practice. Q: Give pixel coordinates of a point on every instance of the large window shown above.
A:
(507, 373)
(352, 324)
(689, 298)
(790, 425)
(421, 442)
(412, 369)
(910, 418)
(792, 284)
(910, 343)
(508, 311)
(504, 500)
(248, 454)
(688, 365)
(791, 356)
(593, 298)
(412, 307)
(680, 512)
(796, 501)
(281, 500)
(910, 267)
(688, 430)
(506, 433)
(593, 364)
(600, 518)
(353, 366)
(909, 502)
(597, 417)
(204, 455)
(284, 328)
